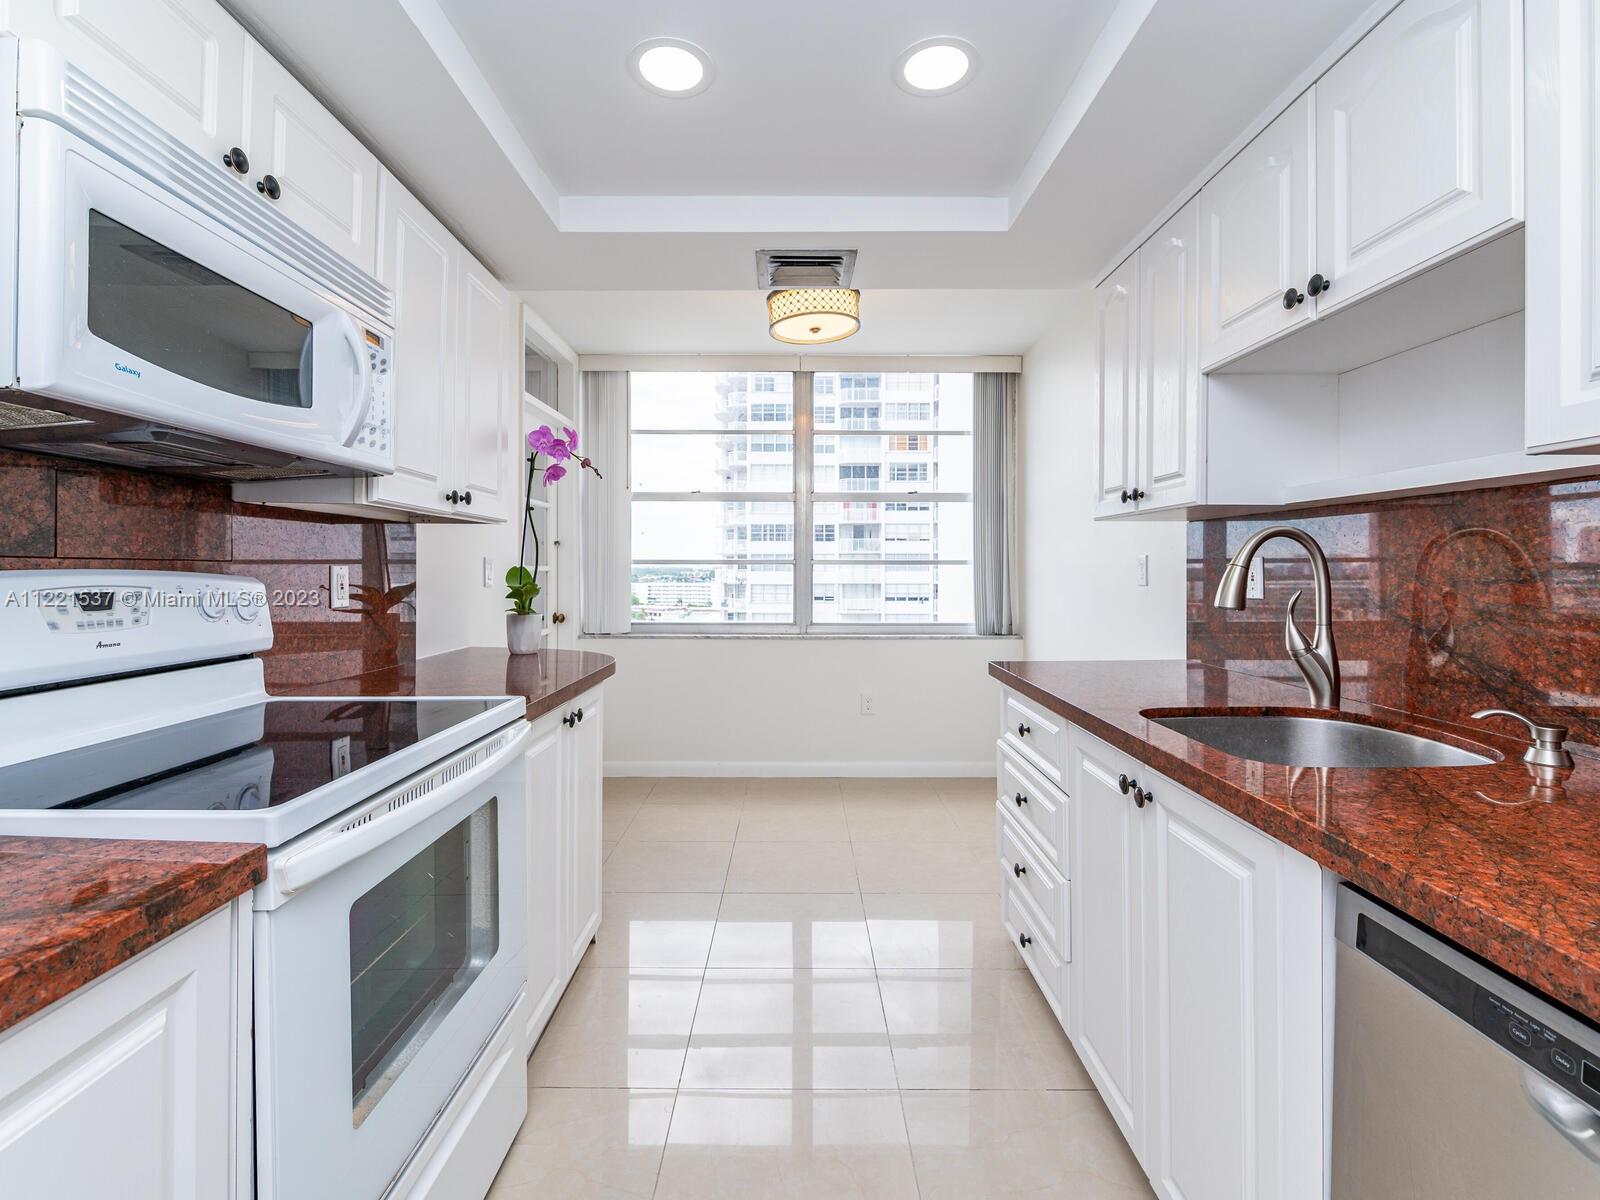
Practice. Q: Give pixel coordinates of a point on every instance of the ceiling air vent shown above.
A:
(804, 268)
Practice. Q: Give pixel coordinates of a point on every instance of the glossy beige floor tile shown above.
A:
(793, 821)
(678, 791)
(789, 1029)
(618, 1027)
(976, 788)
(761, 791)
(617, 815)
(896, 818)
(667, 867)
(787, 1146)
(584, 1144)
(625, 788)
(756, 929)
(655, 929)
(689, 821)
(606, 847)
(792, 867)
(999, 1145)
(938, 931)
(959, 866)
(972, 817)
(975, 1029)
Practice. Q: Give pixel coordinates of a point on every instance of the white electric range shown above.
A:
(390, 934)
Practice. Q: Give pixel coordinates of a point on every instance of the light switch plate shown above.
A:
(488, 571)
(1141, 568)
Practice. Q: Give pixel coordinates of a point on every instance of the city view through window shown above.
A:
(873, 469)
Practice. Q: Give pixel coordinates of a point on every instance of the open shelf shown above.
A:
(1486, 471)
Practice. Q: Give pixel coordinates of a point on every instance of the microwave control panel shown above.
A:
(375, 433)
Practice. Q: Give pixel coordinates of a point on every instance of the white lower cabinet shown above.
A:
(1187, 969)
(137, 1085)
(565, 763)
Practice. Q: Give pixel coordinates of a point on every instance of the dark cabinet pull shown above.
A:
(1023, 730)
(453, 496)
(1018, 870)
(571, 719)
(1126, 495)
(1021, 799)
(237, 159)
(269, 187)
(1126, 785)
(580, 714)
(1141, 797)
(1024, 940)
(1318, 284)
(466, 497)
(1293, 298)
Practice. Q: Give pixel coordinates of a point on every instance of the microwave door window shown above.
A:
(151, 301)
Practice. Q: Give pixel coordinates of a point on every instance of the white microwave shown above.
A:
(166, 316)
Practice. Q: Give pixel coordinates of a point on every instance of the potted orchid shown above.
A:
(522, 585)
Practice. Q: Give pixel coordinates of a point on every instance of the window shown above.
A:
(722, 477)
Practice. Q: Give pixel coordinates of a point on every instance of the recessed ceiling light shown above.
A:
(935, 66)
(671, 67)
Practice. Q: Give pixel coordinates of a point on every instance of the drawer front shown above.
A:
(1033, 802)
(1049, 971)
(1027, 871)
(1036, 734)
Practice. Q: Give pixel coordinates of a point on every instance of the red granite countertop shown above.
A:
(73, 908)
(547, 680)
(1508, 869)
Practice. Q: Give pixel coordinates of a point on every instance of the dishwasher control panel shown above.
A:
(1536, 1044)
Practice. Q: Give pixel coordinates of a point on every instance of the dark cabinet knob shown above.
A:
(1293, 298)
(1023, 730)
(237, 159)
(1318, 284)
(1126, 785)
(1126, 495)
(1138, 493)
(454, 497)
(1018, 870)
(570, 720)
(269, 187)
(1141, 797)
(1020, 799)
(466, 497)
(580, 714)
(1024, 940)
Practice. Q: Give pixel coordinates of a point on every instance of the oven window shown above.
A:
(170, 310)
(417, 941)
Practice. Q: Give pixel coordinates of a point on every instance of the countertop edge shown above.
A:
(1505, 945)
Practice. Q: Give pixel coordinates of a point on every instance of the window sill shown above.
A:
(852, 636)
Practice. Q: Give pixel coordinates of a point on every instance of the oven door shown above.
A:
(390, 945)
(139, 310)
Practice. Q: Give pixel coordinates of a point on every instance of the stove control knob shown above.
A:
(212, 605)
(248, 607)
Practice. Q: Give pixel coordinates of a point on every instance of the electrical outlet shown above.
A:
(341, 756)
(339, 587)
(1255, 586)
(869, 706)
(1141, 569)
(488, 571)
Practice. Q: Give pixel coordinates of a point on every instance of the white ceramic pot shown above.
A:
(522, 633)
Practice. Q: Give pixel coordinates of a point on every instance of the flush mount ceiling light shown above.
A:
(936, 66)
(671, 67)
(813, 316)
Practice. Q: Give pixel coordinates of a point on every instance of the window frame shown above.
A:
(804, 499)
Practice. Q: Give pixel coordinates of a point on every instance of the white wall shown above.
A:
(1080, 598)
(454, 609)
(792, 706)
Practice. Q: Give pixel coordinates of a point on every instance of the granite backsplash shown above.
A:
(1443, 604)
(57, 513)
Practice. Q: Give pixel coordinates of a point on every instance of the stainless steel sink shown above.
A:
(1318, 742)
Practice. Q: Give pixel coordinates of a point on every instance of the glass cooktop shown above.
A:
(256, 757)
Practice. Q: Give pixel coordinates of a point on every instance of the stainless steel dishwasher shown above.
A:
(1449, 1080)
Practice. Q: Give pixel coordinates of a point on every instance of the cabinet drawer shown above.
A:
(1036, 734)
(1021, 920)
(1033, 802)
(1024, 869)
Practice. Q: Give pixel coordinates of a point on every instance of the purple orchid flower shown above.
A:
(572, 438)
(541, 439)
(554, 472)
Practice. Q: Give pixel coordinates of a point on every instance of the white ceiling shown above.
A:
(512, 119)
(803, 102)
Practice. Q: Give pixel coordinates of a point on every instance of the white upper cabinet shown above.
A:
(418, 263)
(1563, 315)
(179, 62)
(485, 399)
(325, 180)
(1168, 383)
(1419, 132)
(1115, 329)
(1256, 239)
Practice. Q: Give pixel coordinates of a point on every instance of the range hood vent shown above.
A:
(804, 268)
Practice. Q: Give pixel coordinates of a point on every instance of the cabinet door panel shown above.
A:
(1106, 1014)
(329, 180)
(1115, 321)
(484, 373)
(419, 263)
(585, 751)
(178, 62)
(1169, 363)
(1563, 238)
(1256, 239)
(546, 944)
(1418, 142)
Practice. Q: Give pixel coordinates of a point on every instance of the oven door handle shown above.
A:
(325, 853)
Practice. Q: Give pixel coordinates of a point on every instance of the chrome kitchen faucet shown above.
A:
(1317, 660)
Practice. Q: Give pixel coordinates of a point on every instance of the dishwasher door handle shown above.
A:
(1572, 1118)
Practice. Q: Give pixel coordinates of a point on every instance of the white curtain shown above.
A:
(607, 532)
(994, 502)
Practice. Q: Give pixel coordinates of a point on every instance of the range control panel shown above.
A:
(65, 626)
